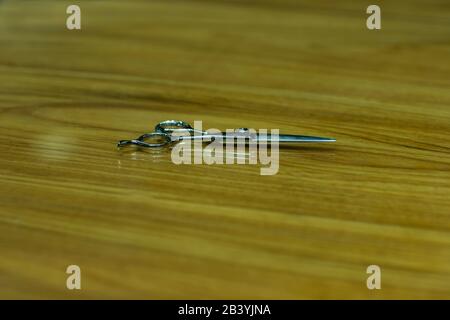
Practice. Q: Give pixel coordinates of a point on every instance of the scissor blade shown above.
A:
(295, 138)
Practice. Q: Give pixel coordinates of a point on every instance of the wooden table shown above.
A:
(140, 226)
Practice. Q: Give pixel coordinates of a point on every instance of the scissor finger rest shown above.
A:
(148, 140)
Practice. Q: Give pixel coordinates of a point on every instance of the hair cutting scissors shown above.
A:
(172, 131)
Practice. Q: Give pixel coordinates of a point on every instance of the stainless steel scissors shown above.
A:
(172, 131)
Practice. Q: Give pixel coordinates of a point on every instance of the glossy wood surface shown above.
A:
(140, 226)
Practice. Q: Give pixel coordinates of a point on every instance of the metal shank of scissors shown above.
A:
(172, 131)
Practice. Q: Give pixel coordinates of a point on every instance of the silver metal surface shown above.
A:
(172, 131)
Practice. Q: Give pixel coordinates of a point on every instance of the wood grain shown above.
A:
(141, 227)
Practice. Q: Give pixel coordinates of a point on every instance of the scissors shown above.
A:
(168, 132)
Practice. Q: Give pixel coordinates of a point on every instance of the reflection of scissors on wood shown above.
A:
(164, 136)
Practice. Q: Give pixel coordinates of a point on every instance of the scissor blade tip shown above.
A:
(320, 139)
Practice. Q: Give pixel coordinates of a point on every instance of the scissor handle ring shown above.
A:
(166, 140)
(163, 126)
